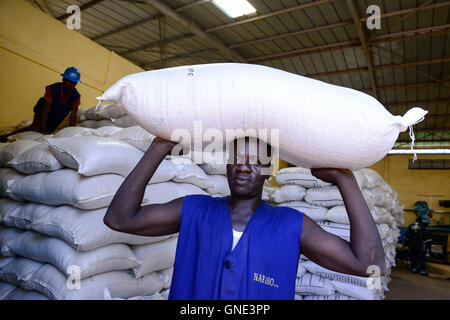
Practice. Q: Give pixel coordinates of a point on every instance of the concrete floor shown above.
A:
(406, 285)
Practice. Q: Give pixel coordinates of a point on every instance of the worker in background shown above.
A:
(59, 100)
(417, 239)
(238, 246)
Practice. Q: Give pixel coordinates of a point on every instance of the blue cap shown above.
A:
(72, 74)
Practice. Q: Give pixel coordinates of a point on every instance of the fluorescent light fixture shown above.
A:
(235, 8)
(420, 151)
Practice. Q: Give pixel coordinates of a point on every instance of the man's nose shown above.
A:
(243, 167)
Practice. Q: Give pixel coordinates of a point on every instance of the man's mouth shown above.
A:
(241, 180)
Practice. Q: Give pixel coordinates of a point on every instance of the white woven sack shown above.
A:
(49, 281)
(381, 215)
(74, 132)
(125, 122)
(93, 124)
(90, 114)
(189, 172)
(309, 284)
(324, 196)
(8, 177)
(41, 248)
(65, 186)
(289, 192)
(360, 131)
(15, 148)
(26, 213)
(167, 191)
(220, 185)
(109, 111)
(166, 275)
(18, 271)
(316, 213)
(214, 168)
(7, 206)
(136, 136)
(84, 230)
(5, 289)
(155, 256)
(269, 191)
(337, 214)
(26, 135)
(93, 156)
(336, 296)
(106, 131)
(381, 198)
(318, 270)
(300, 176)
(36, 159)
(357, 292)
(2, 157)
(20, 294)
(338, 229)
(7, 235)
(300, 270)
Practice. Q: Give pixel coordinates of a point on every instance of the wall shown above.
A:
(36, 48)
(409, 183)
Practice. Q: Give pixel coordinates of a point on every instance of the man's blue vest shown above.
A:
(263, 265)
(58, 111)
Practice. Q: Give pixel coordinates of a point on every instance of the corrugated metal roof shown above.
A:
(404, 63)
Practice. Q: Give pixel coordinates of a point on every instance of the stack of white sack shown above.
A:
(323, 203)
(54, 193)
(105, 115)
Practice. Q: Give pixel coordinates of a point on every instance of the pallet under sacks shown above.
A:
(323, 203)
(54, 244)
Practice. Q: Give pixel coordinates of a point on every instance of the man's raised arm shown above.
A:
(365, 248)
(125, 213)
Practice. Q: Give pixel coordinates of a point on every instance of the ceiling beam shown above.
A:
(157, 43)
(354, 11)
(180, 57)
(419, 103)
(191, 5)
(127, 27)
(82, 7)
(196, 30)
(270, 14)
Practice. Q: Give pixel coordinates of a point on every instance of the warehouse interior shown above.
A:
(396, 51)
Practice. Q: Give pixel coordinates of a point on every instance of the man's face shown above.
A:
(244, 171)
(69, 84)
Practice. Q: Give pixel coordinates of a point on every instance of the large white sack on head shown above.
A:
(357, 292)
(300, 176)
(49, 281)
(316, 213)
(136, 136)
(74, 132)
(324, 196)
(20, 294)
(15, 148)
(359, 130)
(309, 284)
(84, 230)
(18, 271)
(167, 191)
(8, 177)
(27, 213)
(7, 235)
(26, 135)
(36, 159)
(93, 156)
(289, 192)
(155, 256)
(68, 187)
(42, 248)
